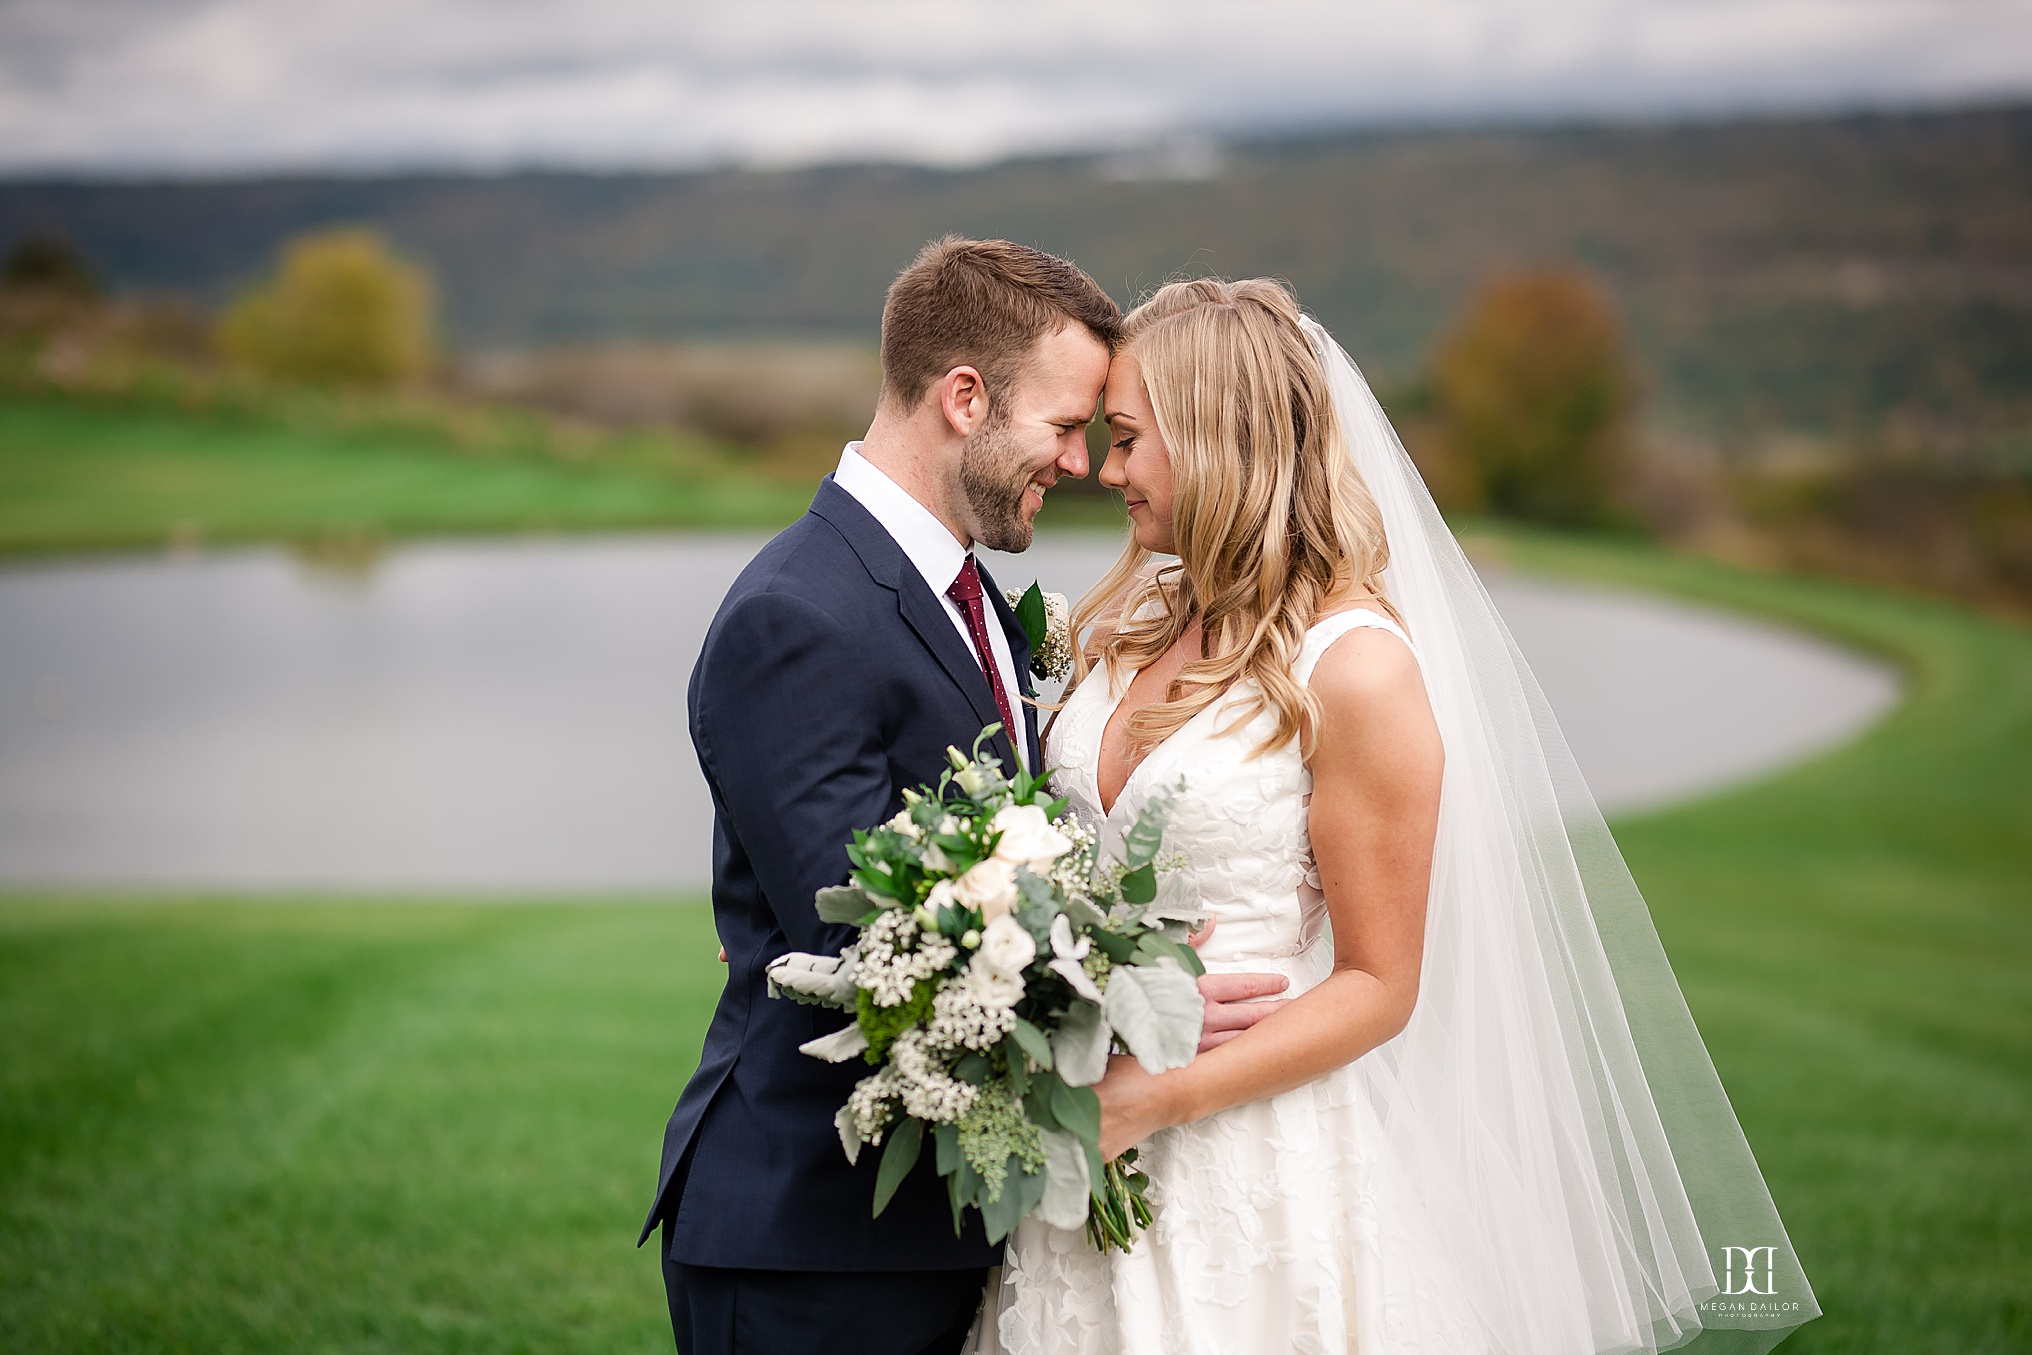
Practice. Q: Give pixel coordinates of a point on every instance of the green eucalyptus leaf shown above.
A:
(1037, 1101)
(1154, 946)
(1033, 1042)
(1117, 947)
(1141, 843)
(1140, 884)
(947, 1139)
(897, 1159)
(1077, 1110)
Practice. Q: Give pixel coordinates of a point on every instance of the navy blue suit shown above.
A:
(831, 680)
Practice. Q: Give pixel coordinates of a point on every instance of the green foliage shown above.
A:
(44, 261)
(341, 309)
(883, 1024)
(995, 1136)
(1535, 395)
(906, 1140)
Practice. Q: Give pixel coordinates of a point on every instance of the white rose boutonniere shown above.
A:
(1046, 619)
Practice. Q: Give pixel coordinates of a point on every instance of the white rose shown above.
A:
(1006, 949)
(995, 991)
(941, 896)
(989, 887)
(1029, 838)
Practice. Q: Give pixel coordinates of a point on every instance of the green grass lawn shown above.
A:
(77, 474)
(338, 1126)
(331, 1126)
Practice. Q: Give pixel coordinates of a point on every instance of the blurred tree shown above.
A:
(341, 308)
(43, 261)
(1534, 394)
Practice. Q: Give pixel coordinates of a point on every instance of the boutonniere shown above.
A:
(1047, 619)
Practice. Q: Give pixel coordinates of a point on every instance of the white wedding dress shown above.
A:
(1283, 1225)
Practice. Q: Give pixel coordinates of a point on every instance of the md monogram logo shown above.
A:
(1743, 1267)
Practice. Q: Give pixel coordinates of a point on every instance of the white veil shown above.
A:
(1574, 1154)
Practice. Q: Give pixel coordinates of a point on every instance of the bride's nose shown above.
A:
(1114, 470)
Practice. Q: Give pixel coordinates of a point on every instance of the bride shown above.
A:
(1485, 1122)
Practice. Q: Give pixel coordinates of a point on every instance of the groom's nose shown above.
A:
(1072, 459)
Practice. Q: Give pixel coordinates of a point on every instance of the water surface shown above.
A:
(509, 715)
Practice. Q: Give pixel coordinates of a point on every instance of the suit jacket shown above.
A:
(831, 680)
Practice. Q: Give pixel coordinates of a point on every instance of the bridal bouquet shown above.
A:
(998, 963)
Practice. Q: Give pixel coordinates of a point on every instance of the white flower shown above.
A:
(904, 824)
(941, 896)
(996, 992)
(976, 779)
(936, 861)
(1006, 948)
(1029, 838)
(928, 1091)
(989, 888)
(974, 1011)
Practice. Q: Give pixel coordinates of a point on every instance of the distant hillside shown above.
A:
(1831, 275)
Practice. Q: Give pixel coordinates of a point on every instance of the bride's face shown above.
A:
(1138, 464)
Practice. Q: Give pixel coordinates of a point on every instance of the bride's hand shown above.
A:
(1134, 1105)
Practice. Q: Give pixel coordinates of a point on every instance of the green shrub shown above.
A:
(341, 309)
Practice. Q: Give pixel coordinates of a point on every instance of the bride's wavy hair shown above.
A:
(1270, 515)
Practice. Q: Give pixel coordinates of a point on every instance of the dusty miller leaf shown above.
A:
(1158, 1012)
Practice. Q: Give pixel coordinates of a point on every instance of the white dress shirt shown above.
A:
(938, 555)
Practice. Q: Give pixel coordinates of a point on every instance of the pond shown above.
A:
(509, 715)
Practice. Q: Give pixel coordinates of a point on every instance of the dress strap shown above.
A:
(1324, 632)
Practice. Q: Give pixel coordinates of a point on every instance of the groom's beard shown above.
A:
(994, 479)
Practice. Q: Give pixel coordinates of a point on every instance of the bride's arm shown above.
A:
(1374, 814)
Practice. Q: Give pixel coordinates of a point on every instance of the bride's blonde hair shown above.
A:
(1270, 516)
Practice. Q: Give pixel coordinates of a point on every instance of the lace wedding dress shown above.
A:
(1283, 1225)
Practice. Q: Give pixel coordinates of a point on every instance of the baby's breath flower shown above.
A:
(973, 1012)
(927, 1089)
(895, 954)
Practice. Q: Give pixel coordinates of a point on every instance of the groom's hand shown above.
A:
(1233, 1001)
(1233, 1005)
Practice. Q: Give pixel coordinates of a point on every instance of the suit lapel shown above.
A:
(920, 609)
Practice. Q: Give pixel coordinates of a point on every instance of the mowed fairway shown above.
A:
(339, 1127)
(335, 1126)
(78, 475)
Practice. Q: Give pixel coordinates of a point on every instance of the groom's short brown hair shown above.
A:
(983, 304)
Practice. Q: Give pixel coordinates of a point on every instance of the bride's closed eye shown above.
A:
(1124, 444)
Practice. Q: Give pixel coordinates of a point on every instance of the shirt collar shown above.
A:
(931, 547)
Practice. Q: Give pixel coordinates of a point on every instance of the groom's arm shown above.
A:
(781, 720)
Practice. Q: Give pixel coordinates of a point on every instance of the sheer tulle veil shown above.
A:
(1571, 1147)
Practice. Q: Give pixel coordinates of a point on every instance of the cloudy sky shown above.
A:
(232, 86)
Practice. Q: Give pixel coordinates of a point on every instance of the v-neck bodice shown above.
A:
(1238, 827)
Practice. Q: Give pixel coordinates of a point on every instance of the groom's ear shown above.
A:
(963, 400)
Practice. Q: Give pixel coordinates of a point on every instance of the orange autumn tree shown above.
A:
(1536, 396)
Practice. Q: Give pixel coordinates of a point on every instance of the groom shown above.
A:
(849, 654)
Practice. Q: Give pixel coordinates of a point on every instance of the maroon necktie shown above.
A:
(966, 590)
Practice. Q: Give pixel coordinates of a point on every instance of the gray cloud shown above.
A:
(241, 85)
